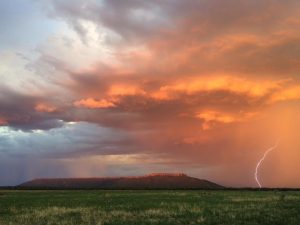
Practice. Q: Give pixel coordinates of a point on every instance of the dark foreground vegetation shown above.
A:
(149, 207)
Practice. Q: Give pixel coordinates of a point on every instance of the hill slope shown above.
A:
(152, 181)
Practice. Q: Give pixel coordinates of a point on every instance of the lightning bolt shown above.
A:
(262, 159)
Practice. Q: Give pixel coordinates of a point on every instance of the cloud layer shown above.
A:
(197, 86)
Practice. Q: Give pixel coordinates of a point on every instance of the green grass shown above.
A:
(149, 207)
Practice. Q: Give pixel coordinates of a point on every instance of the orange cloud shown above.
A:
(253, 88)
(94, 104)
(123, 90)
(42, 107)
(3, 122)
(216, 116)
(212, 117)
(288, 93)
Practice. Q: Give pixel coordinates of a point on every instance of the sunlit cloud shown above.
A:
(41, 107)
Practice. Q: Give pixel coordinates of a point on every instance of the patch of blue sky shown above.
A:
(23, 24)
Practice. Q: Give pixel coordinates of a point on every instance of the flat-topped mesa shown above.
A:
(150, 181)
(166, 175)
(120, 177)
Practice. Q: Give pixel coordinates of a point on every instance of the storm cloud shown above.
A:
(196, 86)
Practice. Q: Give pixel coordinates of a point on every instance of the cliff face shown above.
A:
(151, 181)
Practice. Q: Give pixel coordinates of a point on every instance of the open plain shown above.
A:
(91, 207)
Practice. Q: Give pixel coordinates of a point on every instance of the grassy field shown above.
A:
(149, 207)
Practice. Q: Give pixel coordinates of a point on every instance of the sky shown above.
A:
(93, 88)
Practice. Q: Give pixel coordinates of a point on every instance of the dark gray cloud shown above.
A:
(19, 111)
(195, 37)
(196, 20)
(129, 19)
